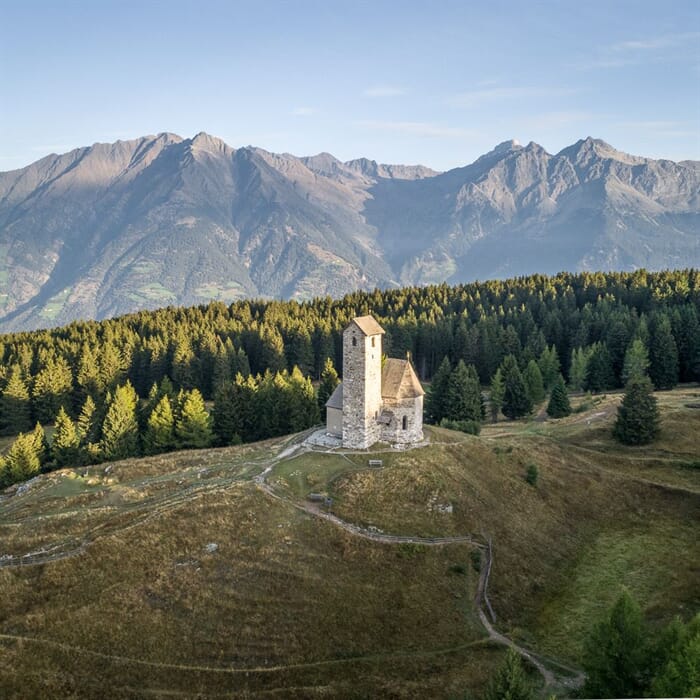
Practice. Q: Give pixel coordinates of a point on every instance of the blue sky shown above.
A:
(437, 83)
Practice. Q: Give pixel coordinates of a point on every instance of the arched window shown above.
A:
(354, 341)
(372, 341)
(404, 423)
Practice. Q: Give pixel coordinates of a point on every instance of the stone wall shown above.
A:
(334, 422)
(412, 409)
(362, 388)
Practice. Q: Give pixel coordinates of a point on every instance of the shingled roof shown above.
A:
(368, 325)
(336, 398)
(399, 380)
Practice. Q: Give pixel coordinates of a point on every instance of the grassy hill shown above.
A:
(178, 575)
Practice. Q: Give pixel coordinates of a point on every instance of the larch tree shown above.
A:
(65, 443)
(193, 424)
(120, 430)
(159, 435)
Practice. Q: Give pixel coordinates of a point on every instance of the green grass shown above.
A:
(307, 608)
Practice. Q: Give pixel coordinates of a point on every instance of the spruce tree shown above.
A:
(510, 681)
(579, 368)
(516, 401)
(303, 405)
(437, 403)
(23, 459)
(51, 389)
(599, 371)
(15, 414)
(663, 354)
(638, 415)
(120, 430)
(615, 658)
(533, 381)
(193, 424)
(329, 382)
(636, 363)
(496, 394)
(463, 395)
(86, 425)
(159, 435)
(549, 365)
(225, 420)
(41, 444)
(559, 406)
(65, 443)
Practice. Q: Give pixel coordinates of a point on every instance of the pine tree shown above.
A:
(615, 657)
(497, 394)
(437, 404)
(638, 416)
(65, 444)
(510, 681)
(329, 382)
(533, 381)
(193, 424)
(516, 401)
(159, 435)
(14, 405)
(636, 362)
(663, 354)
(559, 406)
(120, 430)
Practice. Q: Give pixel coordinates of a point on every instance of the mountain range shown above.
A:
(159, 220)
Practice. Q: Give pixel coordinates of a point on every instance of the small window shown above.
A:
(372, 341)
(404, 423)
(354, 341)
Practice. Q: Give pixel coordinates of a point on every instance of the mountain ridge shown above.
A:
(111, 228)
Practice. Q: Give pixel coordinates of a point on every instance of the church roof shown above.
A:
(368, 325)
(399, 380)
(336, 398)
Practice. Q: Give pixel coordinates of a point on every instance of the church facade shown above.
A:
(376, 402)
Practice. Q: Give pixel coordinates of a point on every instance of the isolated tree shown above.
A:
(559, 406)
(496, 394)
(510, 681)
(159, 435)
(638, 415)
(120, 430)
(329, 382)
(636, 363)
(533, 381)
(65, 443)
(193, 425)
(615, 658)
(516, 401)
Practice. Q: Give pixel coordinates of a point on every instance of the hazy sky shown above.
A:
(436, 82)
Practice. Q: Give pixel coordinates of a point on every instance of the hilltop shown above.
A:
(115, 228)
(198, 573)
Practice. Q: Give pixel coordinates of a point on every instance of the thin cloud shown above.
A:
(474, 98)
(303, 111)
(671, 129)
(655, 43)
(384, 91)
(422, 129)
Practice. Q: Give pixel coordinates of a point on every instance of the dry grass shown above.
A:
(290, 606)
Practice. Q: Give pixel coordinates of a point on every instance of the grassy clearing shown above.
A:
(292, 606)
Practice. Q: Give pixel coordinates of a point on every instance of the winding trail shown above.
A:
(574, 678)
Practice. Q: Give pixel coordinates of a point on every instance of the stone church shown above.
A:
(375, 402)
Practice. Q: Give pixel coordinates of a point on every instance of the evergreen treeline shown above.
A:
(597, 330)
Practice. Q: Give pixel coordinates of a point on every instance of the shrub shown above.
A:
(471, 427)
(475, 556)
(532, 474)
